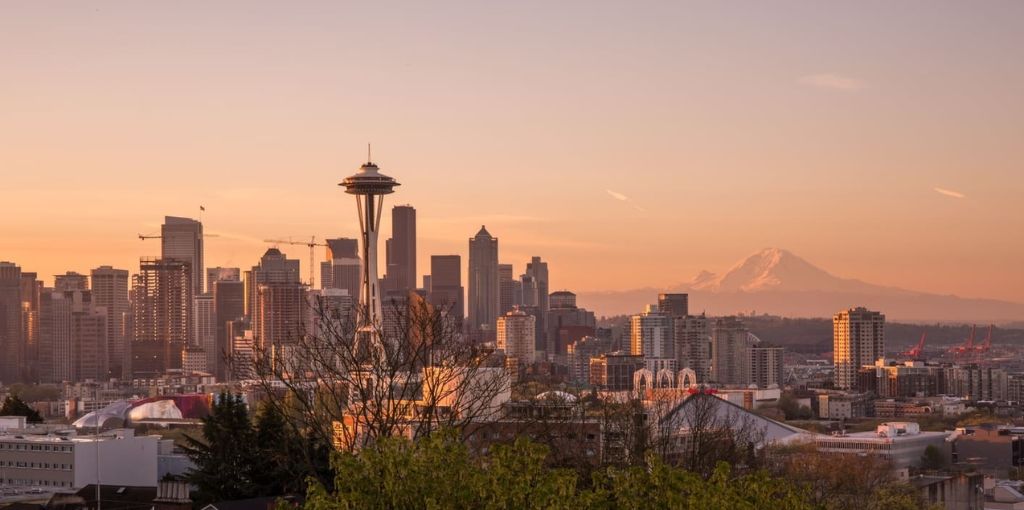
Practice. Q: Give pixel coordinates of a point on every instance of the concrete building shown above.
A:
(858, 339)
(566, 324)
(280, 315)
(650, 334)
(517, 335)
(73, 342)
(182, 239)
(274, 267)
(766, 366)
(483, 285)
(693, 344)
(110, 292)
(579, 354)
(900, 443)
(162, 315)
(614, 371)
(446, 291)
(12, 342)
(70, 461)
(342, 268)
(730, 343)
(991, 449)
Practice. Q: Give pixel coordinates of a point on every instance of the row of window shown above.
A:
(35, 447)
(35, 465)
(37, 483)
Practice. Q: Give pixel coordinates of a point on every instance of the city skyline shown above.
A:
(779, 129)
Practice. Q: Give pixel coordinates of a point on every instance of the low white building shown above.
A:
(902, 443)
(66, 460)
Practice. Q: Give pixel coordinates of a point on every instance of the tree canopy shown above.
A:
(15, 406)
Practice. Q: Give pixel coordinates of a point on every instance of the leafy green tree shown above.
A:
(15, 406)
(933, 459)
(225, 456)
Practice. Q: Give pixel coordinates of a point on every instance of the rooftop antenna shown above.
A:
(369, 159)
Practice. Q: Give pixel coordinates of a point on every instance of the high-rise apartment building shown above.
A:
(693, 345)
(858, 339)
(446, 291)
(162, 315)
(73, 343)
(342, 268)
(650, 334)
(566, 323)
(12, 343)
(766, 365)
(674, 305)
(538, 270)
(204, 313)
(517, 336)
(730, 341)
(89, 338)
(229, 305)
(483, 285)
(402, 250)
(182, 239)
(110, 292)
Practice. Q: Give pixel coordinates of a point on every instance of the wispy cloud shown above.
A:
(617, 196)
(949, 192)
(832, 81)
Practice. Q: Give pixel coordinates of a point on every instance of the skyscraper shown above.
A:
(506, 289)
(229, 305)
(11, 341)
(280, 319)
(566, 324)
(483, 285)
(766, 365)
(516, 336)
(204, 315)
(539, 271)
(31, 293)
(73, 337)
(274, 267)
(446, 291)
(161, 311)
(341, 270)
(214, 274)
(730, 341)
(650, 336)
(858, 338)
(182, 239)
(110, 291)
(402, 268)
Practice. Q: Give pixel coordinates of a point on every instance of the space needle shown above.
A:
(369, 186)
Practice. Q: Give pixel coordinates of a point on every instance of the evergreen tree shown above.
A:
(226, 455)
(15, 406)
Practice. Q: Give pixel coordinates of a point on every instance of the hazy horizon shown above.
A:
(630, 146)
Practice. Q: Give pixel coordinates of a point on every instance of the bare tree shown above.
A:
(348, 383)
(704, 430)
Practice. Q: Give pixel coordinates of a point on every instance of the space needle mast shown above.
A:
(369, 186)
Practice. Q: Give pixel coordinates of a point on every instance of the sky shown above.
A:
(630, 144)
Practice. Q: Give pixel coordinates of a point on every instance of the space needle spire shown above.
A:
(369, 186)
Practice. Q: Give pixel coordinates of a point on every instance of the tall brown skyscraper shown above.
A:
(162, 315)
(401, 270)
(446, 291)
(229, 306)
(110, 291)
(507, 289)
(280, 315)
(274, 267)
(483, 285)
(11, 341)
(182, 239)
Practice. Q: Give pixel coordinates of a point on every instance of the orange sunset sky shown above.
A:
(631, 144)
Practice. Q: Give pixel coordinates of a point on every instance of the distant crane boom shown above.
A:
(916, 350)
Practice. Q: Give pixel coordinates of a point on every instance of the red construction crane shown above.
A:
(916, 350)
(987, 344)
(312, 244)
(967, 346)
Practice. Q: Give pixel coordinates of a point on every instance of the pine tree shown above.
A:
(15, 406)
(226, 455)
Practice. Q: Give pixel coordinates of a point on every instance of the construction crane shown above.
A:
(916, 350)
(143, 237)
(312, 244)
(987, 344)
(967, 346)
